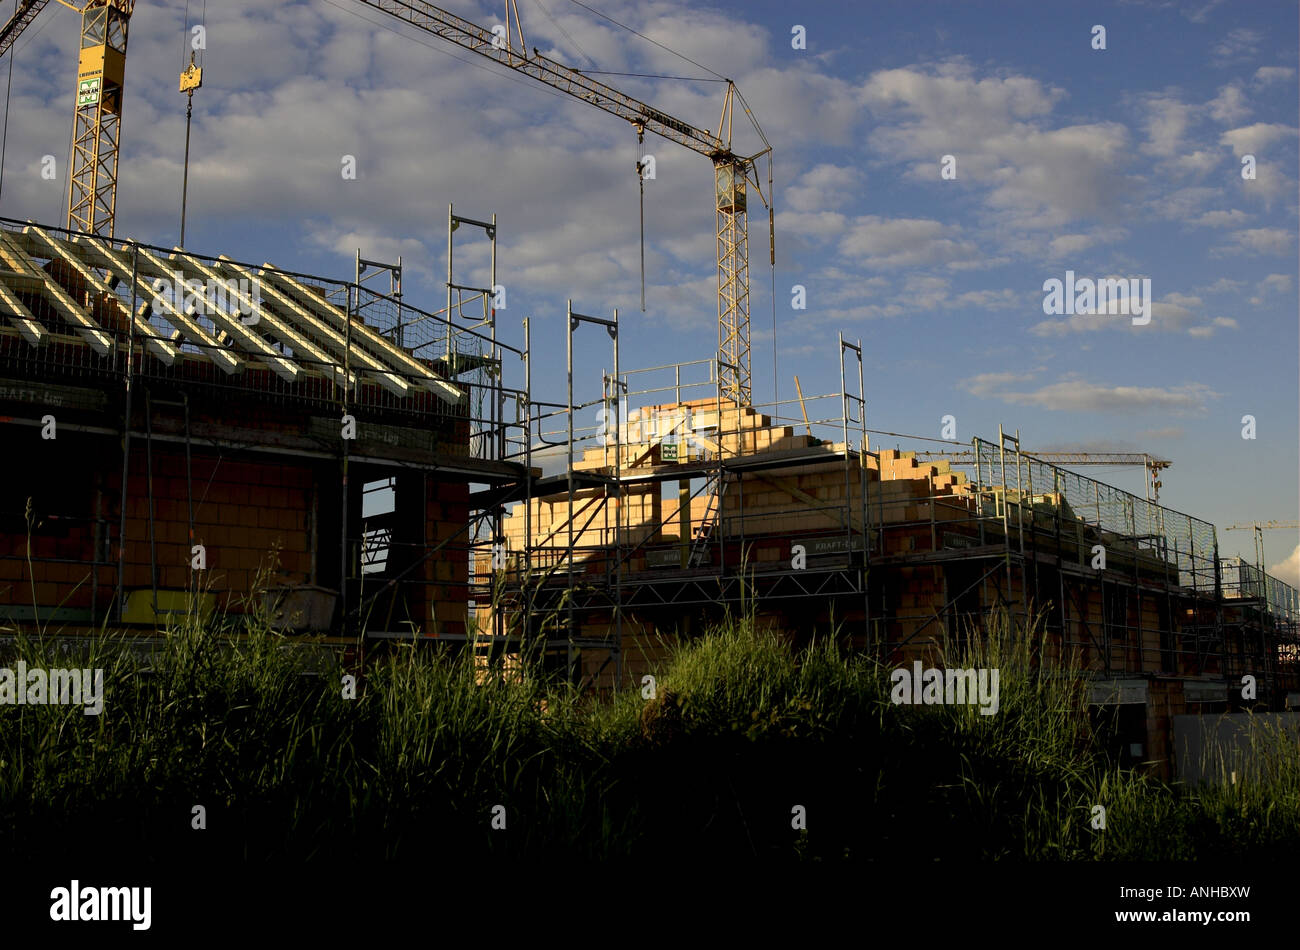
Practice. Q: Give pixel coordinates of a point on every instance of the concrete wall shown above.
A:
(1211, 748)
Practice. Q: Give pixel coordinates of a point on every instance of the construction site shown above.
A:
(196, 433)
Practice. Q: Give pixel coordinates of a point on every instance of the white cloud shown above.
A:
(1224, 285)
(1221, 219)
(985, 384)
(1288, 570)
(1229, 105)
(879, 242)
(1259, 241)
(1071, 244)
(1031, 175)
(1166, 123)
(1266, 75)
(1174, 311)
(1078, 395)
(1198, 162)
(1004, 299)
(1183, 204)
(1201, 13)
(1239, 44)
(817, 226)
(822, 188)
(1256, 138)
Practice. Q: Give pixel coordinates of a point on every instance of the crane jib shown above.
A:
(677, 125)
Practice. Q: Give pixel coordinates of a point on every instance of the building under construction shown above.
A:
(197, 434)
(693, 505)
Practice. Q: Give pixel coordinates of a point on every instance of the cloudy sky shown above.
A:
(1122, 162)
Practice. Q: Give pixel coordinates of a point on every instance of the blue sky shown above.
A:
(1123, 162)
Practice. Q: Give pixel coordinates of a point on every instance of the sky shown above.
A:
(1123, 162)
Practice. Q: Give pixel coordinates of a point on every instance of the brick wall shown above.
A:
(254, 519)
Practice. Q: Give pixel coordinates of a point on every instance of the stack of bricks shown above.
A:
(743, 432)
(806, 497)
(641, 506)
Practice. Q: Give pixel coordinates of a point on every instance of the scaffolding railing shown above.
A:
(1245, 581)
(81, 307)
(1189, 545)
(86, 320)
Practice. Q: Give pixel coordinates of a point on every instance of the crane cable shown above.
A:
(648, 40)
(640, 179)
(718, 77)
(4, 137)
(567, 36)
(507, 75)
(186, 40)
(185, 34)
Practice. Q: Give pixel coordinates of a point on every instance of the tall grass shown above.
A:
(743, 731)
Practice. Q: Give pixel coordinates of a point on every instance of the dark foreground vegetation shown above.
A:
(741, 731)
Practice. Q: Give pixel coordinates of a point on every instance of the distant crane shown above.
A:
(1153, 465)
(97, 118)
(1259, 527)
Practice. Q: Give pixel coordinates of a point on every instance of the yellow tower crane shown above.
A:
(97, 120)
(733, 174)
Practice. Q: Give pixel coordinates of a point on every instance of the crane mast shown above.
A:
(97, 119)
(733, 174)
(97, 124)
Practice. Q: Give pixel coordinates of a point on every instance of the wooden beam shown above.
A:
(399, 358)
(329, 366)
(228, 361)
(153, 339)
(81, 321)
(22, 318)
(252, 343)
(275, 285)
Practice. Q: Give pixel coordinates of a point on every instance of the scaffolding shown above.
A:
(604, 541)
(673, 502)
(146, 351)
(679, 502)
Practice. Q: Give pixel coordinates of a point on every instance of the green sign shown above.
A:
(668, 451)
(88, 92)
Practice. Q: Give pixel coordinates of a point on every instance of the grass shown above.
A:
(742, 729)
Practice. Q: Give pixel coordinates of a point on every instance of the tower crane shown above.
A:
(1259, 527)
(92, 189)
(733, 173)
(1153, 465)
(97, 119)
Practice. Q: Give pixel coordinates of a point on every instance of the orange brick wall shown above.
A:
(242, 512)
(250, 516)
